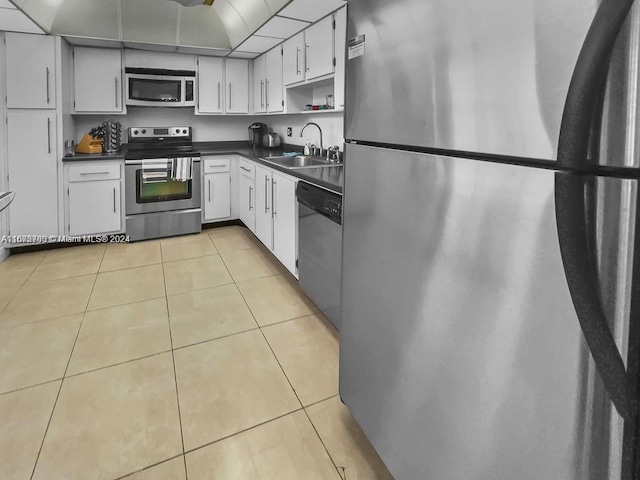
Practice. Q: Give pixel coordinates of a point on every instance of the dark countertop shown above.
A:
(331, 178)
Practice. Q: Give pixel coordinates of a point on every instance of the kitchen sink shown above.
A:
(299, 161)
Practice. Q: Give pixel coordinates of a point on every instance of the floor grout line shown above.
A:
(55, 403)
(22, 284)
(31, 386)
(149, 467)
(97, 369)
(173, 361)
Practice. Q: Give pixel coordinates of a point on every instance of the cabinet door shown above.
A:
(319, 48)
(31, 75)
(293, 59)
(210, 85)
(97, 80)
(285, 221)
(94, 207)
(340, 53)
(217, 196)
(264, 222)
(259, 84)
(33, 174)
(247, 203)
(275, 88)
(237, 86)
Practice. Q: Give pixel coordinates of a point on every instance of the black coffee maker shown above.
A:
(256, 132)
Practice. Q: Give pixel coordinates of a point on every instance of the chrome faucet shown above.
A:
(319, 129)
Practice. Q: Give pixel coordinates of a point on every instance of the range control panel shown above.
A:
(158, 133)
(326, 203)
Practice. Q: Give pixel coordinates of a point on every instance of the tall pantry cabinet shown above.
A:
(33, 82)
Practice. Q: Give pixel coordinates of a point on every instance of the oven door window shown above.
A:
(154, 186)
(155, 90)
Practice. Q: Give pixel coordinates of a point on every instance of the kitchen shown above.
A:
(465, 313)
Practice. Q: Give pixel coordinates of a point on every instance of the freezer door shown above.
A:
(489, 77)
(461, 352)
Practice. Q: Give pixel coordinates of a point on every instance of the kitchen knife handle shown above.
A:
(219, 106)
(250, 195)
(588, 79)
(579, 262)
(48, 135)
(48, 89)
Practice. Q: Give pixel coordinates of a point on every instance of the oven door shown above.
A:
(149, 187)
(156, 90)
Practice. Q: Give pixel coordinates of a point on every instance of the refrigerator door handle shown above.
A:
(587, 81)
(579, 266)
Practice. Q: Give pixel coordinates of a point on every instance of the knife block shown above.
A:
(89, 144)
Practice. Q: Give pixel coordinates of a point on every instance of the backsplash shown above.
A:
(213, 128)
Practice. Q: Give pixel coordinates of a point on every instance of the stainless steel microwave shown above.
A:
(160, 88)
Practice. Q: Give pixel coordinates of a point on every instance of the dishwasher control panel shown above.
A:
(320, 200)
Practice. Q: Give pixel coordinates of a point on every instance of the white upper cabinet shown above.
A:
(97, 80)
(319, 56)
(310, 54)
(293, 59)
(275, 87)
(210, 85)
(259, 84)
(340, 53)
(30, 72)
(237, 86)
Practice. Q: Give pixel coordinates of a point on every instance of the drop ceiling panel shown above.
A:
(13, 20)
(149, 21)
(259, 44)
(275, 6)
(6, 4)
(235, 26)
(310, 10)
(254, 13)
(201, 26)
(282, 27)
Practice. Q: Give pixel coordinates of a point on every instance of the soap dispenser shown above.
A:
(307, 148)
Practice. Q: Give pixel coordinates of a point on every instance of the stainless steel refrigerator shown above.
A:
(491, 245)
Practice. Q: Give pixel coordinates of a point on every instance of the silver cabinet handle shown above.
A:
(94, 173)
(217, 166)
(306, 58)
(229, 95)
(261, 93)
(48, 134)
(114, 199)
(298, 72)
(266, 92)
(250, 195)
(219, 107)
(273, 197)
(116, 83)
(48, 92)
(209, 190)
(266, 199)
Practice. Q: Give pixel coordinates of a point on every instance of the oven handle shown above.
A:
(142, 162)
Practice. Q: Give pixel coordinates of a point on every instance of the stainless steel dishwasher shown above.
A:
(320, 247)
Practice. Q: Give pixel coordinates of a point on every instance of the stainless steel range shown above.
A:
(162, 183)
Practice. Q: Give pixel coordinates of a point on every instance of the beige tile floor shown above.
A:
(190, 358)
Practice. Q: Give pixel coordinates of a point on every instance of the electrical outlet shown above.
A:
(289, 132)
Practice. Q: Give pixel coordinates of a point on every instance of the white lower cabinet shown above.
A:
(285, 220)
(276, 214)
(94, 199)
(216, 189)
(247, 195)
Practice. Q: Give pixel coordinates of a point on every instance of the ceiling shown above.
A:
(13, 20)
(238, 28)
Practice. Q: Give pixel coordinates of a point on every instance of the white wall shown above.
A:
(223, 128)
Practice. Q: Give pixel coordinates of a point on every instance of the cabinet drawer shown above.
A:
(87, 173)
(217, 165)
(248, 169)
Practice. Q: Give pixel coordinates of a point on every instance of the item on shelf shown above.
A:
(330, 101)
(89, 144)
(309, 107)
